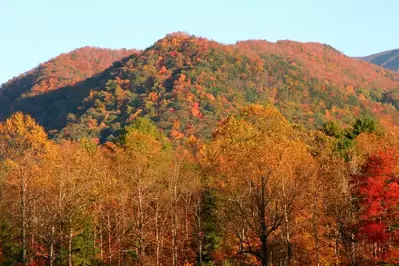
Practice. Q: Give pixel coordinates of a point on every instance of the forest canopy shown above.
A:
(263, 191)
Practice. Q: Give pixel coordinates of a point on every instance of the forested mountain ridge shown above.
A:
(58, 78)
(186, 84)
(387, 59)
(326, 63)
(65, 70)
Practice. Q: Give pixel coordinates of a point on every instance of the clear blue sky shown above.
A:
(33, 31)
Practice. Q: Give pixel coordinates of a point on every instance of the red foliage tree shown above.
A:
(378, 195)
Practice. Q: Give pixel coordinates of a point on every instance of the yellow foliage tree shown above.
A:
(21, 142)
(260, 172)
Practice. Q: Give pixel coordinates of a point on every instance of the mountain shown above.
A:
(64, 71)
(324, 62)
(186, 84)
(387, 59)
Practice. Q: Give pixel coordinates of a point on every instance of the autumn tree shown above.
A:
(336, 211)
(21, 140)
(260, 171)
(73, 173)
(377, 191)
(161, 189)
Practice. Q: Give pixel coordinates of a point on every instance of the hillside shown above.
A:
(326, 63)
(387, 59)
(64, 70)
(187, 84)
(67, 69)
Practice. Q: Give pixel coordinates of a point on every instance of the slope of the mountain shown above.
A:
(325, 63)
(187, 84)
(387, 59)
(64, 70)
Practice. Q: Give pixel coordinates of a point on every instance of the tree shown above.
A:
(378, 199)
(332, 129)
(21, 140)
(361, 125)
(73, 174)
(260, 171)
(140, 164)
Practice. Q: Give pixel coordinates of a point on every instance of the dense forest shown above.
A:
(263, 191)
(192, 152)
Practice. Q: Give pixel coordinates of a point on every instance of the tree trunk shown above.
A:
(161, 252)
(336, 246)
(186, 233)
(157, 234)
(174, 226)
(174, 239)
(109, 239)
(287, 228)
(199, 233)
(287, 237)
(118, 237)
(264, 252)
(60, 219)
(315, 228)
(70, 246)
(23, 216)
(101, 241)
(52, 246)
(33, 228)
(141, 222)
(93, 252)
(353, 255)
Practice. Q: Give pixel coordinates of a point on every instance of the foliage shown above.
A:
(378, 194)
(21, 134)
(196, 153)
(186, 84)
(263, 191)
